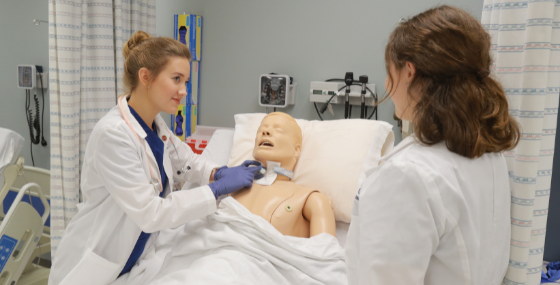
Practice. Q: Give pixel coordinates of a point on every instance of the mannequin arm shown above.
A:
(319, 213)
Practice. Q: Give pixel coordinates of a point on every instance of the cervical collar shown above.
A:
(272, 170)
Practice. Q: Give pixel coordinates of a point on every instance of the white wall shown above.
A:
(309, 40)
(23, 43)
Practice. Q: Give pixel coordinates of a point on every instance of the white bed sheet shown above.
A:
(11, 144)
(234, 246)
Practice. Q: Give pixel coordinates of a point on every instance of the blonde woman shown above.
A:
(133, 166)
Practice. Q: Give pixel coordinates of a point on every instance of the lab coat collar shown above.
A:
(160, 123)
(135, 125)
(162, 129)
(401, 146)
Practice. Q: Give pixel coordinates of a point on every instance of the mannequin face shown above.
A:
(277, 141)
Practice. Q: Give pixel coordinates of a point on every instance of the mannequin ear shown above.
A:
(144, 77)
(298, 151)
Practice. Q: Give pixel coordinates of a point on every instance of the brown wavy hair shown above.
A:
(153, 53)
(458, 102)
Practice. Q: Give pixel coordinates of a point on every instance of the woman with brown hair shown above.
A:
(133, 166)
(437, 211)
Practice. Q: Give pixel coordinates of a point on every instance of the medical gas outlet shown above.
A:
(322, 91)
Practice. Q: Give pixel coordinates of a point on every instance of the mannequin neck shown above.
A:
(286, 165)
(281, 178)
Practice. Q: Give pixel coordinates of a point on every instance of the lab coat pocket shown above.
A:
(92, 269)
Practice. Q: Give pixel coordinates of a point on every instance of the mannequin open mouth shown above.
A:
(266, 143)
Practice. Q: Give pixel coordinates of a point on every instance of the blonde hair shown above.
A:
(153, 53)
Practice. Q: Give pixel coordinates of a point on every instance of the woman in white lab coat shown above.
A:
(437, 210)
(132, 166)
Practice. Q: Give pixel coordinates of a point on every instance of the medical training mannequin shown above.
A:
(437, 211)
(292, 209)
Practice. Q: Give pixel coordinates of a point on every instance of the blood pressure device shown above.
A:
(276, 90)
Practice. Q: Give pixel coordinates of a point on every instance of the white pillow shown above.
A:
(11, 144)
(219, 146)
(334, 158)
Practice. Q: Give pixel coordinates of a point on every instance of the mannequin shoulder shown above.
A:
(319, 206)
(315, 198)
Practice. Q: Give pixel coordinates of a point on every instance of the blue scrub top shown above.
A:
(156, 145)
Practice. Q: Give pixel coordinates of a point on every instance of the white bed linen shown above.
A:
(11, 144)
(219, 147)
(235, 246)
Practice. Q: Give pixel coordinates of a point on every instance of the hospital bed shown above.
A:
(334, 159)
(24, 211)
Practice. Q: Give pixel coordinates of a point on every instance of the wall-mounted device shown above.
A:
(276, 90)
(345, 91)
(29, 78)
(322, 91)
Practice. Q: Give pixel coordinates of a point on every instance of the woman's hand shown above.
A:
(224, 170)
(236, 178)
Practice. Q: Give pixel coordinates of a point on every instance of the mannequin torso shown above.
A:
(282, 204)
(292, 209)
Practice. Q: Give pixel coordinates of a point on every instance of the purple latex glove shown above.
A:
(225, 171)
(236, 179)
(552, 272)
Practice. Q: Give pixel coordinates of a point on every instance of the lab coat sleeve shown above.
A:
(200, 168)
(401, 220)
(120, 165)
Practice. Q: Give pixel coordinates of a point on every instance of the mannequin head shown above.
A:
(278, 139)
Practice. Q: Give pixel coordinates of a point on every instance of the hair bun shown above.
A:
(136, 39)
(483, 73)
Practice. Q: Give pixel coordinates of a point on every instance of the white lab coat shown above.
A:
(429, 216)
(120, 202)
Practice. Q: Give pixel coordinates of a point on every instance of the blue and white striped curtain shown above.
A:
(526, 48)
(83, 85)
(131, 16)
